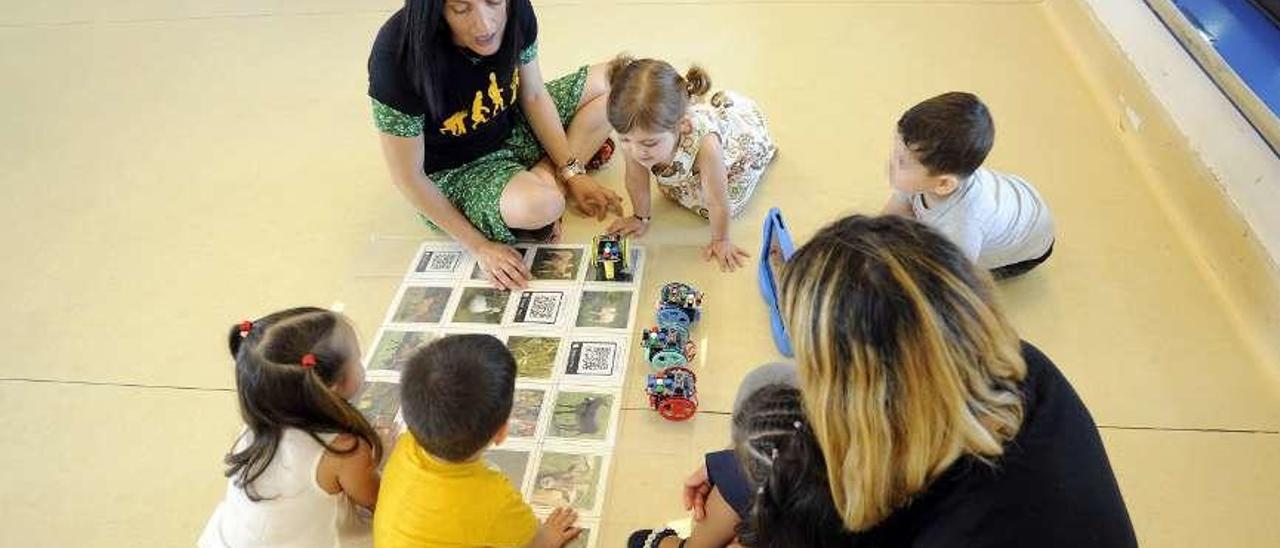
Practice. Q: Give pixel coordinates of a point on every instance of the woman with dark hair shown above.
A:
(474, 138)
(937, 426)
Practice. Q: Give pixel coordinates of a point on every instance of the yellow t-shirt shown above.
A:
(427, 502)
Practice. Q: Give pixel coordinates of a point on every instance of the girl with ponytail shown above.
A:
(708, 156)
(306, 455)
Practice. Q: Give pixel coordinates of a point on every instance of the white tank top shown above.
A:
(295, 510)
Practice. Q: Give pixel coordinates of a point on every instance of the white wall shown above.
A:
(1239, 159)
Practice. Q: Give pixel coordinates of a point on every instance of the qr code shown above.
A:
(592, 358)
(439, 261)
(541, 306)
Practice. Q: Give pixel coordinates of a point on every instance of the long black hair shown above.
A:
(277, 392)
(783, 462)
(427, 43)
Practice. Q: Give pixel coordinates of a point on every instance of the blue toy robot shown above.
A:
(668, 346)
(679, 304)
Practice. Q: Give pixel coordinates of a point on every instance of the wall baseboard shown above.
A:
(1208, 167)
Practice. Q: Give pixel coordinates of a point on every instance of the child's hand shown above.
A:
(557, 530)
(696, 489)
(730, 257)
(628, 226)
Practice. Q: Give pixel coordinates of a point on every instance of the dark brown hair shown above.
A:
(949, 134)
(649, 94)
(427, 43)
(456, 393)
(784, 464)
(276, 392)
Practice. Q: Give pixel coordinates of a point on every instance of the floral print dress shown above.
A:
(744, 138)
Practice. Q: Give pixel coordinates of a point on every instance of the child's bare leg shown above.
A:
(716, 530)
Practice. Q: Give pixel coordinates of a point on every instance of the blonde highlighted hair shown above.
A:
(906, 361)
(649, 94)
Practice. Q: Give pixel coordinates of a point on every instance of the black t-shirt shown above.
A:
(1053, 487)
(482, 96)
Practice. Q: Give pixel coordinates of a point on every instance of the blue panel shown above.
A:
(1246, 38)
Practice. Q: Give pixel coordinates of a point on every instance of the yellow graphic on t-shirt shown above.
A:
(455, 125)
(495, 93)
(480, 111)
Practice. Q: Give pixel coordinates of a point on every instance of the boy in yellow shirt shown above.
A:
(456, 396)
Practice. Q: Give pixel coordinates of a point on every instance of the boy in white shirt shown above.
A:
(936, 173)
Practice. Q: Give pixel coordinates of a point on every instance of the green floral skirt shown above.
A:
(475, 188)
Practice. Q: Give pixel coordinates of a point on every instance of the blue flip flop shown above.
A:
(775, 232)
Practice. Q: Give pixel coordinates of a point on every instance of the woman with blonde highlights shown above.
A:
(936, 425)
(906, 363)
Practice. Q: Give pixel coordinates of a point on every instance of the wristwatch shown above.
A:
(571, 169)
(642, 218)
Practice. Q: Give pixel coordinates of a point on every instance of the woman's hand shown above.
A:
(730, 257)
(628, 226)
(504, 265)
(696, 488)
(591, 199)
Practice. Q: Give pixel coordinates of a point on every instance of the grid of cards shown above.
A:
(569, 332)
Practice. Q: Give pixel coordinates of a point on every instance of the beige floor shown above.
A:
(172, 167)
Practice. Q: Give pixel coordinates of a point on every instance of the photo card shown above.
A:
(527, 411)
(583, 415)
(535, 355)
(394, 346)
(606, 309)
(512, 461)
(420, 304)
(570, 477)
(559, 263)
(481, 305)
(379, 402)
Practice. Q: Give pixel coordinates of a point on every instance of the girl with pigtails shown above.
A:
(708, 155)
(306, 457)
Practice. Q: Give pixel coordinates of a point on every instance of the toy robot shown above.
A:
(613, 258)
(673, 393)
(668, 346)
(679, 304)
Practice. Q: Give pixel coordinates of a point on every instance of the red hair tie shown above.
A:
(308, 360)
(245, 327)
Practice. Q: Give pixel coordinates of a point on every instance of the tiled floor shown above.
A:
(172, 167)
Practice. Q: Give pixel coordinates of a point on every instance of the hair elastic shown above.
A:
(308, 360)
(245, 327)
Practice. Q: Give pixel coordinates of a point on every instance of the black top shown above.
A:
(1052, 487)
(481, 95)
